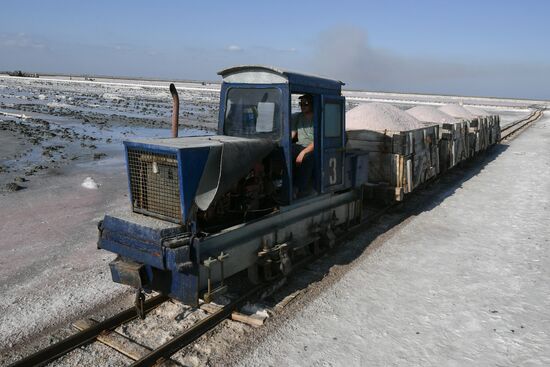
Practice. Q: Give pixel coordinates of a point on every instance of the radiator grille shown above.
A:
(154, 184)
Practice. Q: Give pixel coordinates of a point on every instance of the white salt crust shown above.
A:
(380, 117)
(457, 111)
(430, 114)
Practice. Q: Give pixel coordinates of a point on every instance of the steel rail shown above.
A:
(66, 345)
(188, 336)
(512, 128)
(534, 114)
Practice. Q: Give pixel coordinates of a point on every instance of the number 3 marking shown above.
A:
(333, 177)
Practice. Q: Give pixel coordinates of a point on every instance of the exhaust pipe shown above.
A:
(175, 110)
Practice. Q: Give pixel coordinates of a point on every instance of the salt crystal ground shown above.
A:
(440, 276)
(466, 283)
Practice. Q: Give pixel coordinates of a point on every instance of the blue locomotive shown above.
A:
(207, 207)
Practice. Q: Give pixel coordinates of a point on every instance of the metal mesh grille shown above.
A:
(154, 184)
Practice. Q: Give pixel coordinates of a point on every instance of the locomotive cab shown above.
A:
(256, 101)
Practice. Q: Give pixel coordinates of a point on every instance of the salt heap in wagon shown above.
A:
(403, 151)
(483, 128)
(453, 133)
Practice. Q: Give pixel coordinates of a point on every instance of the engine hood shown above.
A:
(208, 166)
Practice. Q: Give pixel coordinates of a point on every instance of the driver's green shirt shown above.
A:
(303, 127)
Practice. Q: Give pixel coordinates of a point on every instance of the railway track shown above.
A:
(165, 351)
(191, 334)
(512, 129)
(64, 346)
(154, 357)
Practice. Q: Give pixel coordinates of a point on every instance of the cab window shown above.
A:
(253, 112)
(333, 120)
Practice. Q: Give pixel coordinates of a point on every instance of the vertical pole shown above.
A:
(221, 264)
(209, 282)
(175, 110)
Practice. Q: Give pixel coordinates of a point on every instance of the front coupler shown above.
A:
(153, 255)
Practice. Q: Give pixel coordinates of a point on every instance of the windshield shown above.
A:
(253, 112)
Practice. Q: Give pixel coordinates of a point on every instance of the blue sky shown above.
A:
(490, 48)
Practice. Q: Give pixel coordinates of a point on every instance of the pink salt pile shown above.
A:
(430, 114)
(476, 111)
(380, 117)
(457, 111)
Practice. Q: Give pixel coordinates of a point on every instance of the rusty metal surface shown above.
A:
(175, 110)
(510, 129)
(56, 350)
(194, 332)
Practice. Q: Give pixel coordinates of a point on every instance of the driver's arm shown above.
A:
(303, 153)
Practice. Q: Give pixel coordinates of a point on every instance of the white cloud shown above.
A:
(234, 48)
(20, 40)
(122, 47)
(274, 50)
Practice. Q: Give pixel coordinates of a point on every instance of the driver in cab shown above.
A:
(302, 147)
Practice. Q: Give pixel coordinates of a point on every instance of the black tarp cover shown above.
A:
(229, 160)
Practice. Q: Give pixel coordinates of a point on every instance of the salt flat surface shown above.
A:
(53, 135)
(466, 283)
(438, 100)
(50, 268)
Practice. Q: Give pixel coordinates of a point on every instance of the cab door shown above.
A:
(332, 143)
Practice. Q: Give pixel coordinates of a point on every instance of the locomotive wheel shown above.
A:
(285, 263)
